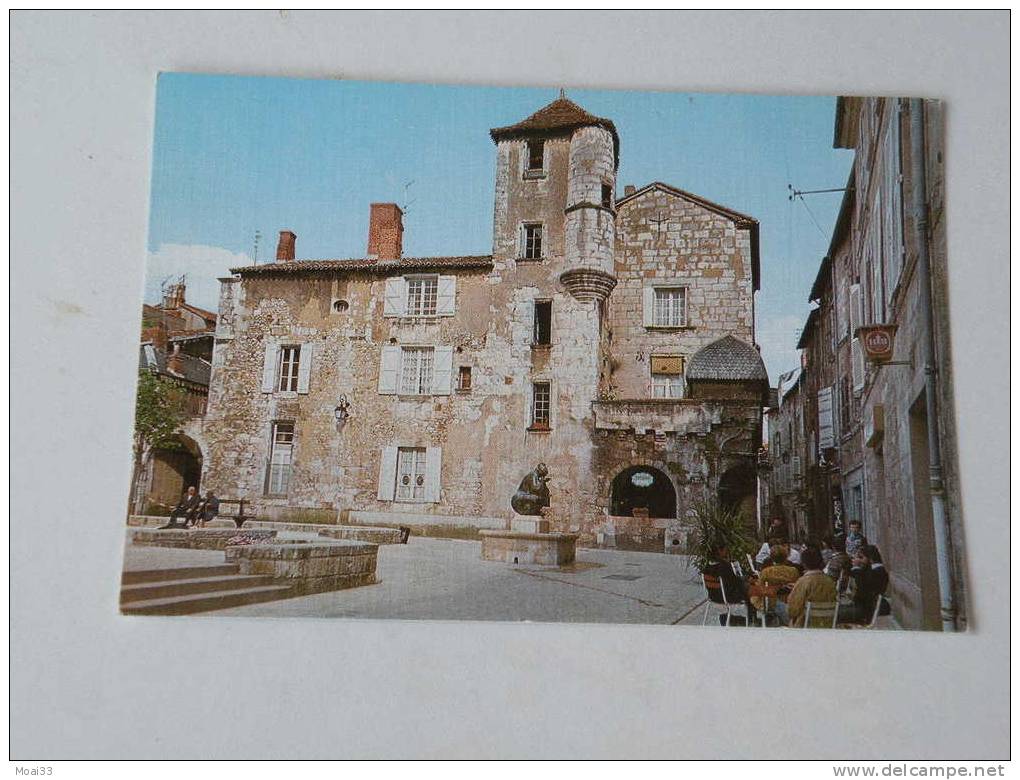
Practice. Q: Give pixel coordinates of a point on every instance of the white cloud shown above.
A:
(778, 339)
(202, 265)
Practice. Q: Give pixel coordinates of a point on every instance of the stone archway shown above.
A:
(738, 489)
(174, 470)
(642, 488)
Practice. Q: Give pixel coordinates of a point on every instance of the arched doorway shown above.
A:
(642, 488)
(174, 470)
(738, 490)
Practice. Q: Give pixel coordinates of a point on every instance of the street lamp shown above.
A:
(342, 410)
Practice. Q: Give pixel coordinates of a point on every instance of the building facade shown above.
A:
(177, 347)
(610, 338)
(878, 361)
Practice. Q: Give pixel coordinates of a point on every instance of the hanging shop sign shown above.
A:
(878, 342)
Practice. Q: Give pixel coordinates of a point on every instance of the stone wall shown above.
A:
(694, 247)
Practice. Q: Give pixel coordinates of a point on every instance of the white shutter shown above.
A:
(442, 370)
(826, 437)
(395, 302)
(433, 465)
(305, 366)
(446, 296)
(857, 364)
(388, 474)
(855, 308)
(875, 257)
(520, 240)
(389, 369)
(649, 306)
(269, 367)
(843, 309)
(892, 214)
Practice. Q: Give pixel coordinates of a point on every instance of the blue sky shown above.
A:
(236, 155)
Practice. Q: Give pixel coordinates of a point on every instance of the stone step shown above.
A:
(180, 573)
(204, 602)
(183, 587)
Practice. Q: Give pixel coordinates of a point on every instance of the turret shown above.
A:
(556, 180)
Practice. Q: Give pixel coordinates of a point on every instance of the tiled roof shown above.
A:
(727, 360)
(368, 264)
(194, 368)
(205, 314)
(561, 114)
(809, 326)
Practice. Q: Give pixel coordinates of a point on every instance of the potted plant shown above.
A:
(714, 527)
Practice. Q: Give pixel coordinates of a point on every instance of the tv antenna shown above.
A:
(407, 203)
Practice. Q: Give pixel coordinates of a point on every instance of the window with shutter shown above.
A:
(290, 362)
(422, 296)
(387, 474)
(892, 201)
(305, 367)
(416, 370)
(442, 371)
(857, 364)
(389, 369)
(281, 458)
(826, 434)
(446, 296)
(433, 468)
(410, 474)
(269, 367)
(856, 315)
(395, 297)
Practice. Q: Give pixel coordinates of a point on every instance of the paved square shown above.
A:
(443, 579)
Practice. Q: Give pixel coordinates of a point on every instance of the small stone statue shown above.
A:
(533, 494)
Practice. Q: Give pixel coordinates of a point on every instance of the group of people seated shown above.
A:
(843, 570)
(194, 510)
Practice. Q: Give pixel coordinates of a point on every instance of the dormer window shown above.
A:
(536, 156)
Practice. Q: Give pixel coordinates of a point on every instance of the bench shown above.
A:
(238, 516)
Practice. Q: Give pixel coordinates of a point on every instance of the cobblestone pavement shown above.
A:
(442, 579)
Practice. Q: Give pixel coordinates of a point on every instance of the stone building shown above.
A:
(176, 346)
(786, 447)
(611, 338)
(889, 417)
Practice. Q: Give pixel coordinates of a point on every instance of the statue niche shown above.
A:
(533, 494)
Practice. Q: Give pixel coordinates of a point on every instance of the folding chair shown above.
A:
(878, 610)
(716, 591)
(751, 563)
(823, 612)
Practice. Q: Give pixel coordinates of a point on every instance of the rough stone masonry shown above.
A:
(419, 391)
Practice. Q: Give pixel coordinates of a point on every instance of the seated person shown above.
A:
(793, 554)
(209, 509)
(855, 539)
(826, 548)
(813, 586)
(839, 561)
(870, 581)
(187, 508)
(762, 556)
(778, 572)
(736, 591)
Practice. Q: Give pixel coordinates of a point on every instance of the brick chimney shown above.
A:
(285, 249)
(386, 231)
(628, 189)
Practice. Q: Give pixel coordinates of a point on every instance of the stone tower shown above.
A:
(553, 244)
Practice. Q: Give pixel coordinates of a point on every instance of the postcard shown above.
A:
(511, 354)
